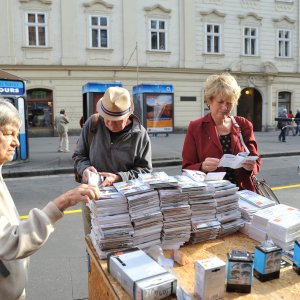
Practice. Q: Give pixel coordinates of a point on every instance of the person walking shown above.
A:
(297, 116)
(282, 125)
(61, 125)
(290, 124)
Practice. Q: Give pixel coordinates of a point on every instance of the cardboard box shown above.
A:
(141, 276)
(210, 277)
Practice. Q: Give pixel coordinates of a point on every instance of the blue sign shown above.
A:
(153, 88)
(12, 87)
(98, 87)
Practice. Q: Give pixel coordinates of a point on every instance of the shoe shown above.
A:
(66, 151)
(60, 150)
(284, 141)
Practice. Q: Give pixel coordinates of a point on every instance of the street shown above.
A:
(59, 269)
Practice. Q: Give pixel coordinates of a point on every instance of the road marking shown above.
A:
(276, 188)
(292, 186)
(66, 212)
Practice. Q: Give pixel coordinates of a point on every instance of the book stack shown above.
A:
(176, 211)
(111, 225)
(227, 208)
(146, 218)
(258, 229)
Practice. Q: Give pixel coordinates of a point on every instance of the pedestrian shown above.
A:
(120, 148)
(282, 125)
(297, 116)
(217, 133)
(61, 125)
(290, 124)
(20, 239)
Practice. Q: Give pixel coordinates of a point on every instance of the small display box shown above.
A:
(267, 259)
(140, 275)
(296, 258)
(239, 271)
(210, 278)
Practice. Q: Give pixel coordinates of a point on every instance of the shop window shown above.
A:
(40, 108)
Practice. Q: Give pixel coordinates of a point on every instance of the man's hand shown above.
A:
(85, 176)
(110, 178)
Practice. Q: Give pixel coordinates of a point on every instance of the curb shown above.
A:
(157, 163)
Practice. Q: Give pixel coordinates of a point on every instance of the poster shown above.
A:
(159, 112)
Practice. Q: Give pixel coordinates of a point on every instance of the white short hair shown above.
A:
(9, 114)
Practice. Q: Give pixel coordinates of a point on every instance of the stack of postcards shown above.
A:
(255, 199)
(285, 229)
(176, 211)
(227, 208)
(249, 203)
(158, 180)
(205, 225)
(132, 187)
(146, 218)
(111, 226)
(259, 227)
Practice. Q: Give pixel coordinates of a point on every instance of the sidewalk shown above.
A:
(166, 151)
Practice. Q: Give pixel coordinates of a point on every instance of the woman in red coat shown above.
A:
(208, 138)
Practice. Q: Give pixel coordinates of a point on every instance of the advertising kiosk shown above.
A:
(154, 105)
(91, 93)
(14, 90)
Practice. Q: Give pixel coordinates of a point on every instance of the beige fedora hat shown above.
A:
(116, 104)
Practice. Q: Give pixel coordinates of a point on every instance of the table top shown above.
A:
(286, 287)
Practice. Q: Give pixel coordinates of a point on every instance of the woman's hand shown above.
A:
(110, 178)
(85, 177)
(82, 193)
(210, 164)
(249, 165)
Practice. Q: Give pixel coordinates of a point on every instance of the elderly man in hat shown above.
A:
(120, 147)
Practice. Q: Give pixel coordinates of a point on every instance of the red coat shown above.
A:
(202, 141)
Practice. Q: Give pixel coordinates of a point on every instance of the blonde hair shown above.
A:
(224, 84)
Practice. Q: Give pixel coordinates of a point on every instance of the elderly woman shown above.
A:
(217, 133)
(120, 146)
(20, 239)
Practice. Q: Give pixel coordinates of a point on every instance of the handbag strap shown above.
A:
(240, 133)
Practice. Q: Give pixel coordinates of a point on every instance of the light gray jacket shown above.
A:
(128, 156)
(20, 239)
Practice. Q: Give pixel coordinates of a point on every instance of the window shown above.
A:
(250, 41)
(99, 31)
(213, 38)
(188, 98)
(36, 25)
(158, 35)
(284, 43)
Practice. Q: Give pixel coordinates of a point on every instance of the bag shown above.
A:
(92, 132)
(279, 125)
(264, 189)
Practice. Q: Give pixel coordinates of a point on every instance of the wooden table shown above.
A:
(102, 286)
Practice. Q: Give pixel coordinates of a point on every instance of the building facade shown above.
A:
(59, 46)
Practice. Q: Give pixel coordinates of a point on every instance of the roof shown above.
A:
(5, 75)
